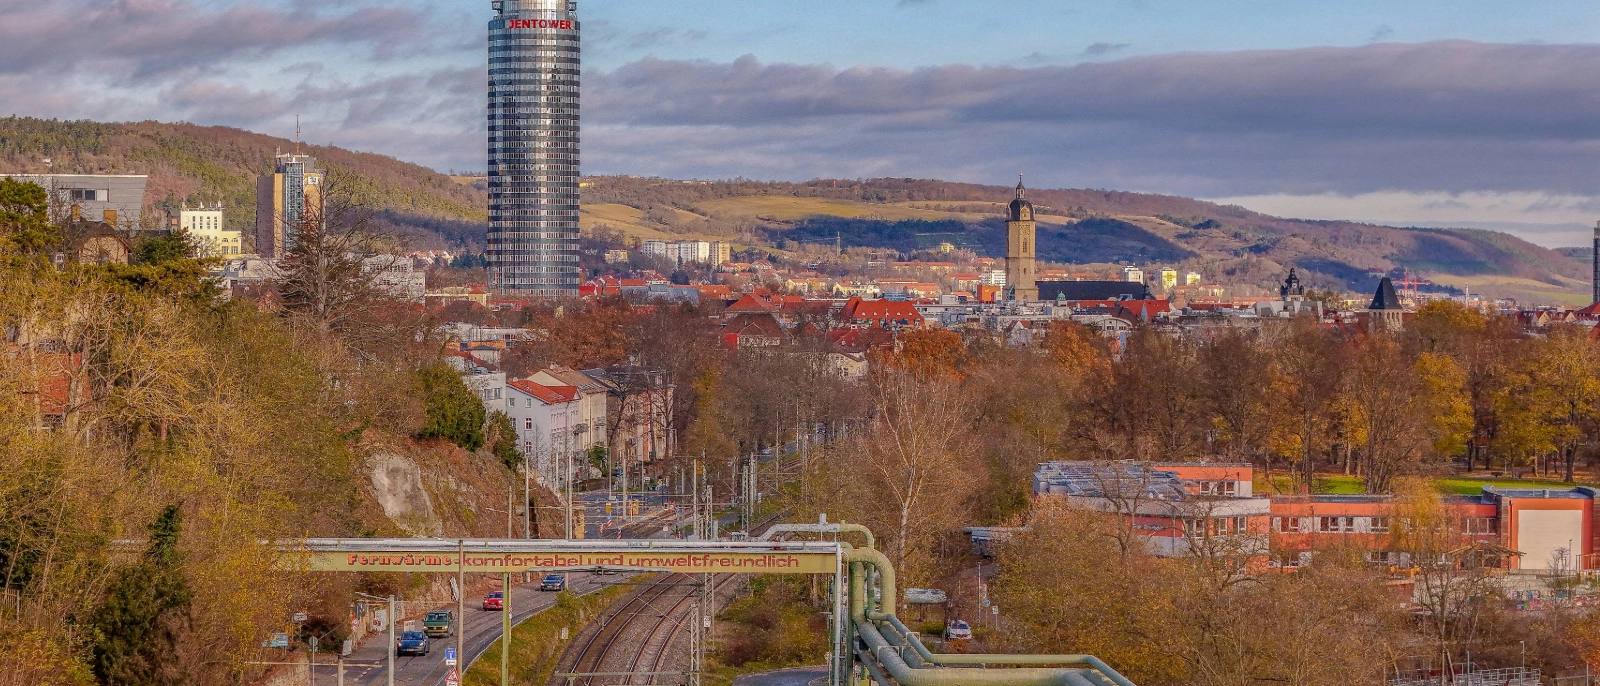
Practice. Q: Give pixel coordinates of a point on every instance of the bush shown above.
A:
(454, 412)
(502, 438)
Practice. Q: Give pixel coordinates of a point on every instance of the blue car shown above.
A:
(554, 582)
(411, 643)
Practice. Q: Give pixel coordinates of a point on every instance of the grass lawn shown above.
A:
(1353, 485)
(1325, 485)
(1340, 485)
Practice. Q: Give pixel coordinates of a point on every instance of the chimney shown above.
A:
(77, 213)
(109, 217)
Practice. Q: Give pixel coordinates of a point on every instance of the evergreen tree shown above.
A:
(24, 219)
(136, 624)
(503, 439)
(164, 248)
(454, 412)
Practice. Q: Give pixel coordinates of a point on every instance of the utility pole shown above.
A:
(461, 609)
(567, 457)
(695, 500)
(505, 631)
(392, 620)
(390, 601)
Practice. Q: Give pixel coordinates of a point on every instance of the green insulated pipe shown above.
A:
(823, 528)
(907, 660)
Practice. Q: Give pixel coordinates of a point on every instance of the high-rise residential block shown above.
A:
(533, 147)
(284, 200)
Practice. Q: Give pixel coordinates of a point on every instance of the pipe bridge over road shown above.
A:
(871, 644)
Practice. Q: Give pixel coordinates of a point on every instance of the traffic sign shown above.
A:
(300, 617)
(449, 657)
(452, 678)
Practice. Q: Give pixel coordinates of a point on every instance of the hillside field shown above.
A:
(1226, 244)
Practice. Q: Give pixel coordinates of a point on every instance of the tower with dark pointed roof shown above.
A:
(1020, 248)
(1385, 313)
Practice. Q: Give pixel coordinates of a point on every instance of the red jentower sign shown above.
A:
(563, 24)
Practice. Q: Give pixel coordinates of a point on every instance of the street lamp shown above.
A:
(390, 616)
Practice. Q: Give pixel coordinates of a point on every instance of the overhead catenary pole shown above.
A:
(392, 621)
(505, 630)
(461, 607)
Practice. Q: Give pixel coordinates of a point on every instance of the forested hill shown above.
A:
(209, 164)
(1227, 244)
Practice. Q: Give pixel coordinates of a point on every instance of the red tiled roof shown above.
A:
(859, 309)
(1134, 310)
(749, 303)
(549, 395)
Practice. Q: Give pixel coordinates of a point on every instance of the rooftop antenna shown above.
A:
(297, 134)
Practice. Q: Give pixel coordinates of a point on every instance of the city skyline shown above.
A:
(1411, 114)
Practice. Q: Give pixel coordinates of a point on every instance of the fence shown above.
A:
(1510, 676)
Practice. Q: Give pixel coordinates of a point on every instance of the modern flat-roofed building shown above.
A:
(1173, 507)
(533, 148)
(1518, 529)
(116, 199)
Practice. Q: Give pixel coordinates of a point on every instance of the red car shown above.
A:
(494, 601)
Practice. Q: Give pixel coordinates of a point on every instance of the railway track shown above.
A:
(632, 658)
(661, 610)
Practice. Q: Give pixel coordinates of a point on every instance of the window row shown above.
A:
(1215, 526)
(1472, 526)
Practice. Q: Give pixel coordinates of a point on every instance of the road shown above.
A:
(368, 665)
(799, 676)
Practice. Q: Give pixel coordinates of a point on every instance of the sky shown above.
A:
(1409, 112)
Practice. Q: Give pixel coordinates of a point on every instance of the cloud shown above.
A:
(1103, 49)
(1450, 118)
(146, 40)
(1446, 116)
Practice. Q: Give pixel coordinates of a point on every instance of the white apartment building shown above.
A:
(689, 252)
(591, 428)
(490, 386)
(546, 417)
(398, 276)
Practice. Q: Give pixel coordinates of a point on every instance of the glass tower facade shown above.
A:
(533, 147)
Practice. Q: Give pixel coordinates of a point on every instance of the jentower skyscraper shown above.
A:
(1596, 264)
(533, 147)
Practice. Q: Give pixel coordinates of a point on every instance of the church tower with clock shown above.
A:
(1020, 249)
